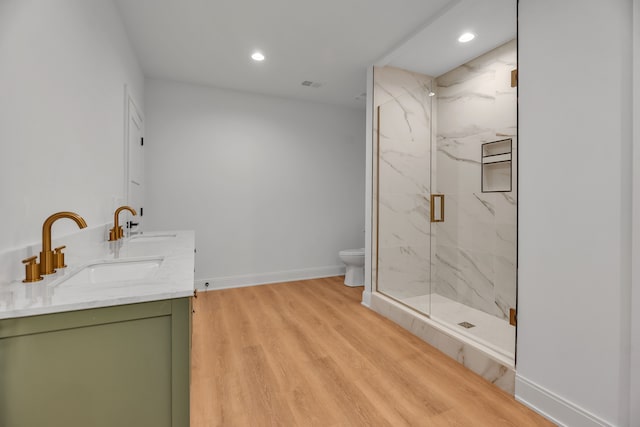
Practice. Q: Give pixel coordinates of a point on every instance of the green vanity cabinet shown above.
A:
(121, 366)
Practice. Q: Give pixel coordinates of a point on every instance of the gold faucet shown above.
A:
(116, 232)
(46, 256)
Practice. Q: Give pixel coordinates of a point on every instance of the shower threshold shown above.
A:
(473, 351)
(488, 330)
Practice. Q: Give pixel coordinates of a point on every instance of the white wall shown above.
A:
(63, 69)
(574, 210)
(270, 185)
(634, 395)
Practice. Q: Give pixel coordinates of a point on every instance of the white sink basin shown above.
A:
(114, 271)
(142, 238)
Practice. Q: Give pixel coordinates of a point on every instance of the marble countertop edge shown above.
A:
(174, 277)
(87, 305)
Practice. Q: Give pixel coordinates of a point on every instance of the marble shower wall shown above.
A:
(475, 256)
(402, 172)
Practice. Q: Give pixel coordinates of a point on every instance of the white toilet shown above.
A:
(354, 259)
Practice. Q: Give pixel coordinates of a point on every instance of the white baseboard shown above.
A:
(554, 407)
(266, 278)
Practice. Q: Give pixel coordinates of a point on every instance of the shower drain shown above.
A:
(466, 325)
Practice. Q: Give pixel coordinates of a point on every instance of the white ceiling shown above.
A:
(332, 42)
(435, 49)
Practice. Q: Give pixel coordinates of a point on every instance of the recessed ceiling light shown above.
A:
(466, 37)
(257, 56)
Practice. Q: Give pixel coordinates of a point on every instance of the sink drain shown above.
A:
(466, 325)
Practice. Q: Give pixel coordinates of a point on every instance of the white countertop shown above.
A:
(172, 278)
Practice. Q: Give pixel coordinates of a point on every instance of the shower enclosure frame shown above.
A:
(375, 242)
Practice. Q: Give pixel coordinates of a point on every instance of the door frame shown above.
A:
(131, 107)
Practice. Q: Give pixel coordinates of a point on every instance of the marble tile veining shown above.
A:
(403, 173)
(476, 245)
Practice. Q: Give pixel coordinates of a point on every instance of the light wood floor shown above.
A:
(308, 354)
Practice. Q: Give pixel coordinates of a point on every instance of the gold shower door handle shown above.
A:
(437, 201)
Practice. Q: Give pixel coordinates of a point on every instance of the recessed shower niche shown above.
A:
(458, 148)
(497, 165)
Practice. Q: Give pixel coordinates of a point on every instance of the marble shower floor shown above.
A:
(489, 330)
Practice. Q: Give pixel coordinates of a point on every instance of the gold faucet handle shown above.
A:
(58, 257)
(32, 270)
(113, 234)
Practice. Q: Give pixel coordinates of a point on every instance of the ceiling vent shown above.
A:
(311, 84)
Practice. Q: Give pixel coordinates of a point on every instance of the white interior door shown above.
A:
(135, 167)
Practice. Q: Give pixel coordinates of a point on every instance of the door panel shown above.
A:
(135, 166)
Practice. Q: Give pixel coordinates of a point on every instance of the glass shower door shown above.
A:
(403, 196)
(473, 278)
(473, 274)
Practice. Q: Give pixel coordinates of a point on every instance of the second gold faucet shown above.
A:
(117, 232)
